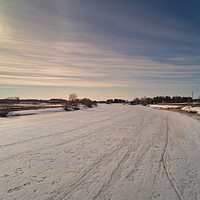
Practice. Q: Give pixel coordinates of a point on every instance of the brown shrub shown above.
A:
(5, 109)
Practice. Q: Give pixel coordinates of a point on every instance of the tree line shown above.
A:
(161, 99)
(148, 100)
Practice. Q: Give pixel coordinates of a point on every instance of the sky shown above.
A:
(99, 49)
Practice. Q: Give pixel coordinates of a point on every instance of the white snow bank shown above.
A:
(164, 106)
(191, 109)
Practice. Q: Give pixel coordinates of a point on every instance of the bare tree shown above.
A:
(72, 103)
(73, 97)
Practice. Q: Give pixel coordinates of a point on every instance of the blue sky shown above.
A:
(99, 48)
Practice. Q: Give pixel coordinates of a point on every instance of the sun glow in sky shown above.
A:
(99, 49)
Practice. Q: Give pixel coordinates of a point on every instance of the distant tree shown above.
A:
(13, 99)
(136, 101)
(5, 109)
(73, 97)
(149, 100)
(109, 101)
(167, 99)
(72, 103)
(89, 103)
(143, 101)
(176, 99)
(158, 99)
(61, 101)
(119, 101)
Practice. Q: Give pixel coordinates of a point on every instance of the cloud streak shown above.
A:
(72, 64)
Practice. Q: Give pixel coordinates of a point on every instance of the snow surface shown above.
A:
(164, 106)
(42, 111)
(191, 109)
(34, 112)
(37, 104)
(107, 152)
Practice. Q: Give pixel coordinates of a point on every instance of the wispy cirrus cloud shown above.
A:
(81, 65)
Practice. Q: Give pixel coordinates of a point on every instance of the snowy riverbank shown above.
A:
(190, 109)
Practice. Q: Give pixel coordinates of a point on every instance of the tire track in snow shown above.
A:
(140, 156)
(166, 169)
(103, 192)
(96, 168)
(124, 149)
(138, 161)
(156, 176)
(81, 181)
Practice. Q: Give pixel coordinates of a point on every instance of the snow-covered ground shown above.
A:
(107, 152)
(41, 111)
(165, 106)
(191, 109)
(34, 112)
(46, 105)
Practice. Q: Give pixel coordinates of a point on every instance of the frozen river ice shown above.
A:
(116, 152)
